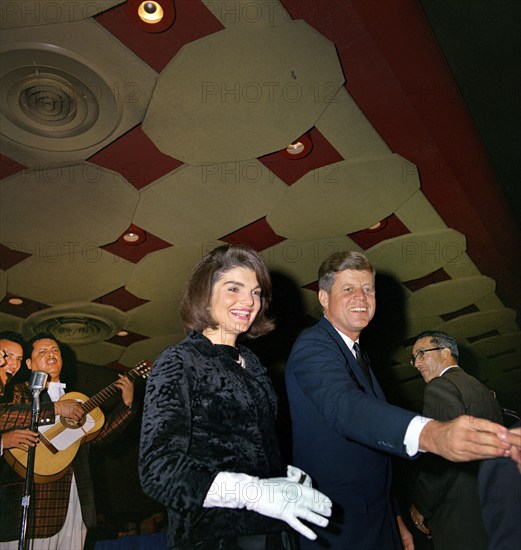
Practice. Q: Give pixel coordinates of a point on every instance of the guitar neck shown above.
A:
(104, 394)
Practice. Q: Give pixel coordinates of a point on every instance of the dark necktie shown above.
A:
(362, 361)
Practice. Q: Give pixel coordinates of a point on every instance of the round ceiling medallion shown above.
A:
(77, 325)
(48, 95)
(76, 330)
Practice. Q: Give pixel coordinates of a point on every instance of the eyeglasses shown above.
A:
(421, 352)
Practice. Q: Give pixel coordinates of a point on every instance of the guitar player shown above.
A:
(61, 510)
(15, 419)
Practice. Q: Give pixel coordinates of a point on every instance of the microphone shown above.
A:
(38, 381)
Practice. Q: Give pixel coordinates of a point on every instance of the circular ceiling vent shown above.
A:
(49, 94)
(77, 325)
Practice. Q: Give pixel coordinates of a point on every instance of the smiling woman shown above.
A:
(209, 451)
(235, 303)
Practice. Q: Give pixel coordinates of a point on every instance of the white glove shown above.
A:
(281, 498)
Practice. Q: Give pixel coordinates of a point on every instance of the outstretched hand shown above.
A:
(468, 438)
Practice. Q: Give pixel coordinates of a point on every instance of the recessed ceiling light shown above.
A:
(377, 226)
(15, 301)
(150, 12)
(134, 235)
(299, 148)
(122, 333)
(295, 148)
(152, 16)
(131, 237)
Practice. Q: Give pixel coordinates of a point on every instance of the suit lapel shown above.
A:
(44, 397)
(352, 363)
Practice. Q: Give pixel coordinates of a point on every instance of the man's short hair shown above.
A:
(40, 336)
(338, 262)
(12, 336)
(442, 339)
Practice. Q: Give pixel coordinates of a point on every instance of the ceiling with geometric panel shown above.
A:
(128, 153)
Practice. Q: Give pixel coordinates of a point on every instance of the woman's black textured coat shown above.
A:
(205, 414)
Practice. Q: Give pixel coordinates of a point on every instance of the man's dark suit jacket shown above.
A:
(446, 492)
(343, 432)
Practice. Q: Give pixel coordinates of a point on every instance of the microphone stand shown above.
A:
(29, 474)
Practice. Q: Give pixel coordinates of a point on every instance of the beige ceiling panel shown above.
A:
(101, 354)
(480, 323)
(148, 349)
(69, 277)
(343, 198)
(417, 213)
(348, 130)
(461, 266)
(63, 97)
(491, 301)
(30, 13)
(240, 94)
(10, 322)
(498, 345)
(448, 296)
(200, 203)
(416, 325)
(161, 276)
(155, 318)
(300, 260)
(64, 210)
(415, 255)
(247, 13)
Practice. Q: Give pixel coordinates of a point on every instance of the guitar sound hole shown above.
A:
(72, 424)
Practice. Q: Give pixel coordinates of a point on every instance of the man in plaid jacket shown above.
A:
(63, 510)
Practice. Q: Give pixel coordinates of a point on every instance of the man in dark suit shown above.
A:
(62, 510)
(343, 429)
(445, 496)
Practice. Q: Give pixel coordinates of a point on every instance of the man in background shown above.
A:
(445, 496)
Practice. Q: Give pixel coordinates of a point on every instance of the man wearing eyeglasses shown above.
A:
(446, 504)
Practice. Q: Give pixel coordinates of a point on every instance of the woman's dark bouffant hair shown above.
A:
(195, 303)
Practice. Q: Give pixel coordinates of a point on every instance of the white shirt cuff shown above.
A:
(412, 435)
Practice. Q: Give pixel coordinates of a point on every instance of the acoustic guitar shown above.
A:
(59, 442)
